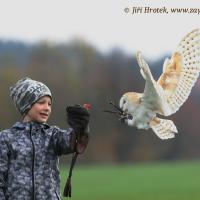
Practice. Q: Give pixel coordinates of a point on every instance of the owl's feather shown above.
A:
(179, 75)
(182, 71)
(153, 95)
(163, 128)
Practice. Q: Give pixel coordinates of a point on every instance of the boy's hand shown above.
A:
(78, 118)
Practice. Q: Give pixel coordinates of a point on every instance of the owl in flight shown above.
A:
(166, 95)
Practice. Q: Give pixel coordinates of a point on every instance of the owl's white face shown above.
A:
(129, 102)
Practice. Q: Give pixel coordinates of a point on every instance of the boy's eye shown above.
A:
(40, 102)
(43, 102)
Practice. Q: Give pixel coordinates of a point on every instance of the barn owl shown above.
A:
(166, 95)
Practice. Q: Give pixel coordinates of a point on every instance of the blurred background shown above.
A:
(84, 52)
(77, 72)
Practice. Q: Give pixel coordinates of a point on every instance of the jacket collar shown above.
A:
(33, 125)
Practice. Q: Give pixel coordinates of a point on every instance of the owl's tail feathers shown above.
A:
(163, 128)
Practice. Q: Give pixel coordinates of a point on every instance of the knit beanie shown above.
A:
(26, 92)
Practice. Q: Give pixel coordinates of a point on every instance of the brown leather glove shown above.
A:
(78, 119)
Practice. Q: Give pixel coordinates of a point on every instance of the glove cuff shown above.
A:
(82, 143)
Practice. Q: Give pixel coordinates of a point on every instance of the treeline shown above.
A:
(77, 72)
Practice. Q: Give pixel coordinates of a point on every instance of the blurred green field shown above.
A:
(156, 181)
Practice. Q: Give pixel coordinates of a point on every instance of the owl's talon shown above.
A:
(123, 115)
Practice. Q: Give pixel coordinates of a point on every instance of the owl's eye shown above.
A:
(124, 101)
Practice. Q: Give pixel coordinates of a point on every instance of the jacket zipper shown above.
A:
(33, 165)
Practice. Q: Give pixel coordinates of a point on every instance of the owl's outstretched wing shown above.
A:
(163, 128)
(153, 96)
(181, 71)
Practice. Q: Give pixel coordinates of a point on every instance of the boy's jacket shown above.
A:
(29, 160)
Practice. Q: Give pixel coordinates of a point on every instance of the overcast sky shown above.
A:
(102, 23)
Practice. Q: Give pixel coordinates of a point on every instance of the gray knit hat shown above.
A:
(26, 92)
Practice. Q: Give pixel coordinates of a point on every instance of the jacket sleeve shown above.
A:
(64, 141)
(3, 166)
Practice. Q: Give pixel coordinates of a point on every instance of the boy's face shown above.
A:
(40, 111)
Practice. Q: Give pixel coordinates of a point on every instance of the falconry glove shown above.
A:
(78, 118)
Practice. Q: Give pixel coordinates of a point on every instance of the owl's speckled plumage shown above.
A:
(166, 95)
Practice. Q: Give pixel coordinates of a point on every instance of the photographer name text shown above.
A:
(161, 10)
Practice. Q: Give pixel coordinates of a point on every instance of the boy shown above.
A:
(29, 150)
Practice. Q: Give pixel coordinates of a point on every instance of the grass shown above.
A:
(161, 181)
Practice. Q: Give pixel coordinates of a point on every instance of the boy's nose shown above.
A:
(47, 107)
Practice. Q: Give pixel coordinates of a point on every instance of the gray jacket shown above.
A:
(29, 160)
